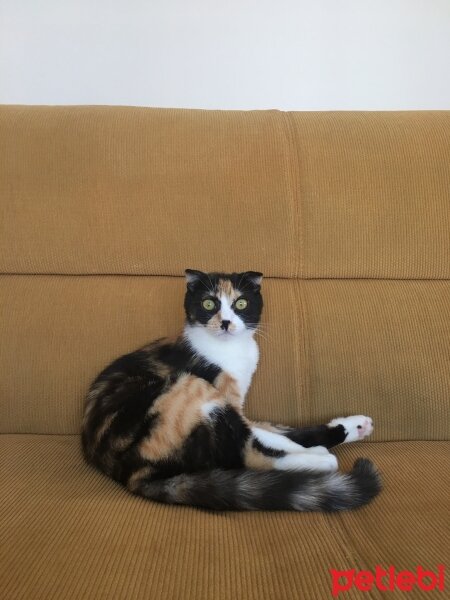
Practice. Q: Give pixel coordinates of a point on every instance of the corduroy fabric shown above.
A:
(68, 532)
(347, 215)
(140, 191)
(374, 194)
(137, 190)
(328, 347)
(380, 347)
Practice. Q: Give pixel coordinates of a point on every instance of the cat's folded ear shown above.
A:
(193, 277)
(253, 277)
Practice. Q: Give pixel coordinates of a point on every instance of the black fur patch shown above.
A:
(131, 365)
(267, 451)
(320, 435)
(230, 436)
(182, 359)
(218, 444)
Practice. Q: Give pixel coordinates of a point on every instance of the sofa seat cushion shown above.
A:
(69, 532)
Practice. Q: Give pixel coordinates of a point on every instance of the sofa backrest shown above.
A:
(346, 214)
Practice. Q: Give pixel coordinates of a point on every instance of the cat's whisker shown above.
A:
(258, 325)
(245, 286)
(204, 285)
(262, 336)
(266, 327)
(212, 287)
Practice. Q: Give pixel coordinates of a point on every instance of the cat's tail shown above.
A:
(267, 490)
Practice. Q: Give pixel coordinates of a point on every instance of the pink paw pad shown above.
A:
(356, 427)
(365, 428)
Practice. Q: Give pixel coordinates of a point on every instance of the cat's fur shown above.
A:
(167, 421)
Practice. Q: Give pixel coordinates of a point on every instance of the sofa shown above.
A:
(347, 214)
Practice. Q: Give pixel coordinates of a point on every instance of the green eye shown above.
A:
(209, 304)
(241, 304)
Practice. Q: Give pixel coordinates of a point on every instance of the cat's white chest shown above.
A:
(240, 362)
(236, 356)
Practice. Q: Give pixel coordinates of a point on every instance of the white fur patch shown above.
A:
(318, 450)
(307, 462)
(307, 500)
(357, 427)
(237, 355)
(228, 314)
(339, 484)
(210, 407)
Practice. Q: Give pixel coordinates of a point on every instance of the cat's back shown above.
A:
(165, 382)
(121, 395)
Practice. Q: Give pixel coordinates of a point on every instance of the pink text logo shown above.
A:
(388, 580)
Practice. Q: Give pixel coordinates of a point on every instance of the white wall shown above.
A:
(288, 54)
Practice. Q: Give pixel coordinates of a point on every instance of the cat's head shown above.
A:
(225, 305)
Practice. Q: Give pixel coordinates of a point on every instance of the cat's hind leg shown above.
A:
(284, 454)
(277, 440)
(338, 431)
(270, 455)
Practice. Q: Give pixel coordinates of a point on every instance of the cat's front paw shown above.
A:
(356, 427)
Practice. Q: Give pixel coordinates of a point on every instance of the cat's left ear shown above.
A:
(253, 277)
(193, 277)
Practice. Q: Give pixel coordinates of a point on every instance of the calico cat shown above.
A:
(167, 421)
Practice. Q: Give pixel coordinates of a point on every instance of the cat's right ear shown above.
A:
(193, 277)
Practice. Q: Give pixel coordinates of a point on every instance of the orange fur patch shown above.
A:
(215, 321)
(268, 427)
(92, 398)
(224, 286)
(104, 428)
(122, 443)
(229, 389)
(179, 411)
(256, 460)
(135, 479)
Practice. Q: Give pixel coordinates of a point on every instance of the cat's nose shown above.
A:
(225, 325)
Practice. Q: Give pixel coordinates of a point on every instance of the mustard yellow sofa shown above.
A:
(348, 217)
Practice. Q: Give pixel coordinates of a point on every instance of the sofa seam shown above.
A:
(279, 277)
(366, 442)
(293, 182)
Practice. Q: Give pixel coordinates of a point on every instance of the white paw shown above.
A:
(327, 464)
(321, 450)
(357, 427)
(307, 462)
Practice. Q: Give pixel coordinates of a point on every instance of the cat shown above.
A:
(167, 420)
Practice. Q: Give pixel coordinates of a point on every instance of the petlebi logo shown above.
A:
(388, 579)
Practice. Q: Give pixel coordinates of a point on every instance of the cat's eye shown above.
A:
(209, 304)
(241, 304)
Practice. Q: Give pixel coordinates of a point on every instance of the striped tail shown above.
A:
(268, 490)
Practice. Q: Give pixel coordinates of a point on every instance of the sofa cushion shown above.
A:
(98, 189)
(328, 348)
(138, 190)
(373, 193)
(69, 532)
